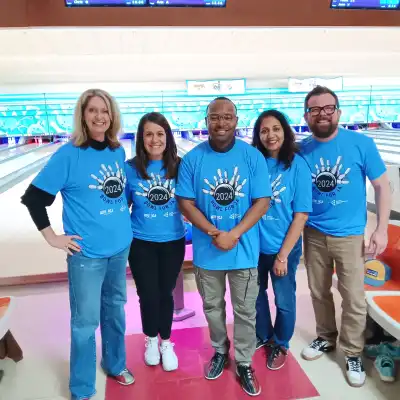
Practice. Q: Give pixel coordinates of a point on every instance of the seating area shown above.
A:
(383, 301)
(8, 345)
(383, 307)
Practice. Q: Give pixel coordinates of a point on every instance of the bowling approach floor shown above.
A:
(41, 326)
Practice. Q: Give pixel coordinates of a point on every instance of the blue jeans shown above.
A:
(285, 298)
(97, 292)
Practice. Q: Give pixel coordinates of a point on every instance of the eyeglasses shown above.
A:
(225, 117)
(328, 110)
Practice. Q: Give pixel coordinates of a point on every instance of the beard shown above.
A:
(323, 132)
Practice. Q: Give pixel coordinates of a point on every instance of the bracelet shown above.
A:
(280, 260)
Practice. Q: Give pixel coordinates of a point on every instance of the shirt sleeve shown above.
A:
(302, 199)
(185, 181)
(373, 163)
(261, 185)
(36, 201)
(54, 176)
(129, 179)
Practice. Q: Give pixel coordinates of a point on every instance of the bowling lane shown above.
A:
(384, 137)
(17, 150)
(127, 145)
(387, 132)
(185, 145)
(9, 167)
(3, 146)
(387, 143)
(200, 138)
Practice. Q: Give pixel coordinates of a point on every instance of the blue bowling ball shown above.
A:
(188, 230)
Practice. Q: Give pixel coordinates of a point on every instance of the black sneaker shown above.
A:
(276, 358)
(248, 380)
(261, 343)
(316, 349)
(215, 367)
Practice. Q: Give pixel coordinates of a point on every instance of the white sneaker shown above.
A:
(355, 371)
(152, 353)
(169, 358)
(316, 349)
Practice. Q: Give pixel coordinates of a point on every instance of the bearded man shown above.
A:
(340, 161)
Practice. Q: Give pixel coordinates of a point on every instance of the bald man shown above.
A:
(223, 189)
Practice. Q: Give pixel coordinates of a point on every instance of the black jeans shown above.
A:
(155, 268)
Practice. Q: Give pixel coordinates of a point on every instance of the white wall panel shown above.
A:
(61, 56)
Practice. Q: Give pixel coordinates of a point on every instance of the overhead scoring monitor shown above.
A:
(106, 3)
(187, 3)
(146, 3)
(366, 4)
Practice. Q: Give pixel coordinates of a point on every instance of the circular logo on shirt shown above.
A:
(224, 189)
(111, 181)
(328, 177)
(157, 190)
(159, 195)
(326, 182)
(112, 187)
(224, 194)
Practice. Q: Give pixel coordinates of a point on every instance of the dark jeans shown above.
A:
(155, 268)
(285, 298)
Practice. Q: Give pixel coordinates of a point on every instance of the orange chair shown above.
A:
(8, 345)
(391, 257)
(384, 301)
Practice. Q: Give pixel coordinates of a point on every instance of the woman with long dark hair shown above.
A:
(280, 232)
(158, 246)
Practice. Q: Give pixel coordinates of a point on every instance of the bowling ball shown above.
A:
(158, 195)
(224, 194)
(326, 181)
(188, 230)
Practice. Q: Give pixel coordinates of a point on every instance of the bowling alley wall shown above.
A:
(38, 13)
(51, 113)
(26, 257)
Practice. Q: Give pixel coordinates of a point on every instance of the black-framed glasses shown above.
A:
(328, 110)
(224, 117)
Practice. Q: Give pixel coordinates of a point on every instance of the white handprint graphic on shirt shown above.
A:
(276, 191)
(225, 189)
(326, 178)
(158, 191)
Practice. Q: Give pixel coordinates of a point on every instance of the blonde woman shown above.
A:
(89, 173)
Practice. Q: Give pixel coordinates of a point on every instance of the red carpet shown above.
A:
(188, 382)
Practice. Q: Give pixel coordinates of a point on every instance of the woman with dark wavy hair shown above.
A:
(158, 247)
(280, 233)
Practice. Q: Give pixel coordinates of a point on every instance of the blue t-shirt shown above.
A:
(223, 186)
(92, 184)
(339, 169)
(291, 193)
(155, 215)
